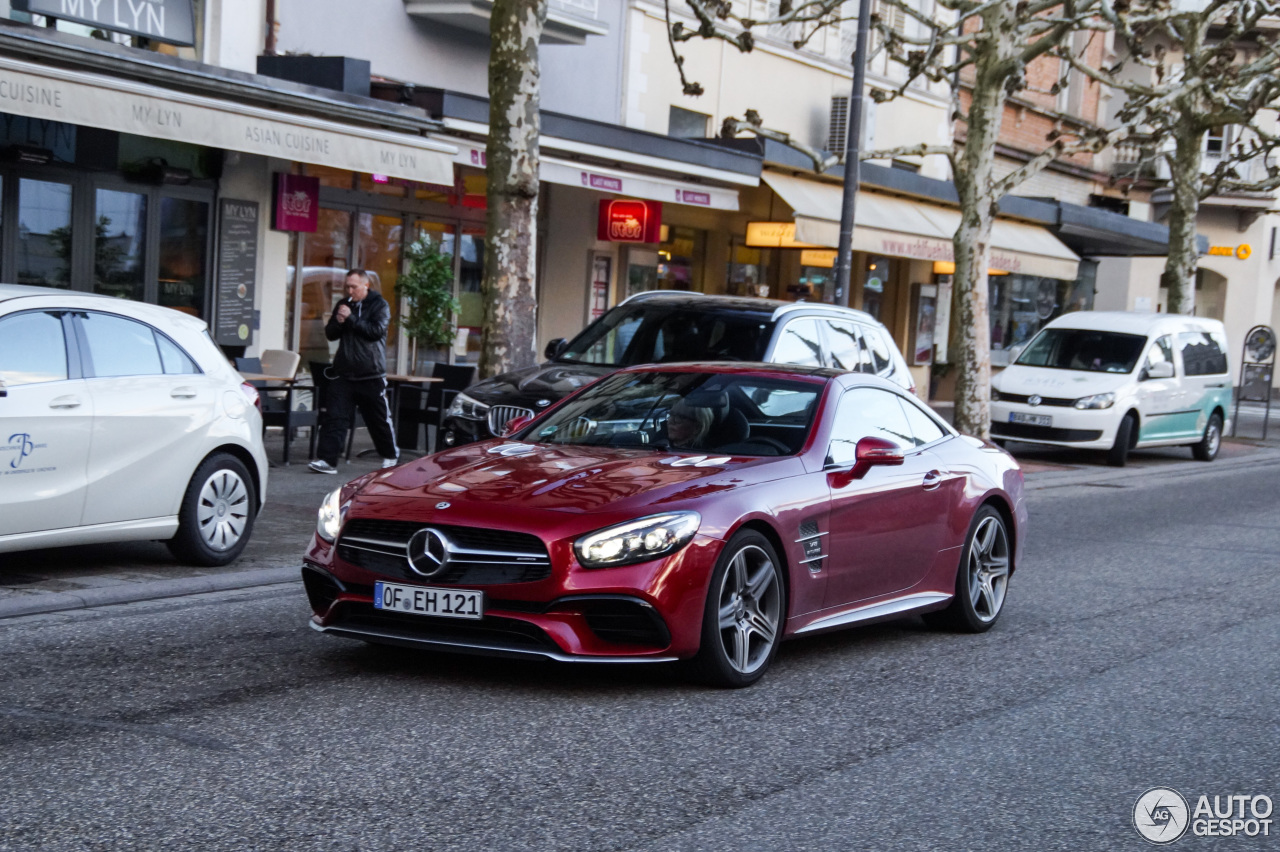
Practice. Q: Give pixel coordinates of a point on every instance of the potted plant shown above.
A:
(427, 288)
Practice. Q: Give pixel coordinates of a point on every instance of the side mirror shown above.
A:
(554, 348)
(515, 425)
(870, 452)
(1163, 370)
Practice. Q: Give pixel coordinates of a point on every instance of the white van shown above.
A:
(1117, 381)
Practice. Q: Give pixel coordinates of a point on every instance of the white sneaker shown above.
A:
(322, 466)
(386, 463)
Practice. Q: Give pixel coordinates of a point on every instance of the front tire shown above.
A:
(982, 578)
(1207, 448)
(217, 513)
(1119, 452)
(744, 613)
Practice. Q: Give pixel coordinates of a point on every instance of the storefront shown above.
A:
(113, 183)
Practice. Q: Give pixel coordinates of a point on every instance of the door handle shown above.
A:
(183, 393)
(932, 480)
(65, 402)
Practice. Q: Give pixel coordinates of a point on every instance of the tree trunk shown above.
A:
(972, 241)
(1179, 276)
(510, 258)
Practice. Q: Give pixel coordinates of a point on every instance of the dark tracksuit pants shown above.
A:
(342, 398)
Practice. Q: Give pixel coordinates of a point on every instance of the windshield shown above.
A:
(647, 333)
(707, 412)
(1084, 349)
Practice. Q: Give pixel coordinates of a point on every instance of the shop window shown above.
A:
(679, 259)
(119, 254)
(874, 285)
(1021, 305)
(381, 185)
(470, 296)
(44, 233)
(338, 178)
(381, 243)
(326, 256)
(747, 271)
(184, 246)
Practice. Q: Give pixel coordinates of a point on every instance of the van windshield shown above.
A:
(650, 333)
(1084, 349)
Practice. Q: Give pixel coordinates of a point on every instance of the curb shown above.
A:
(132, 592)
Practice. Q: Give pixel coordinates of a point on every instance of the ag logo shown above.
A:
(1161, 815)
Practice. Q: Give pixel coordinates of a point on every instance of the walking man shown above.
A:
(358, 377)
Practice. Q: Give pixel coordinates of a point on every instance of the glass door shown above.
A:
(44, 233)
(381, 243)
(445, 236)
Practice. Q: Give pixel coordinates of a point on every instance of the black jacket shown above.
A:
(361, 349)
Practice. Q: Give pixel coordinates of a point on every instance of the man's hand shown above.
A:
(342, 313)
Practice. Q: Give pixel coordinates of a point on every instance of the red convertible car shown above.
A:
(677, 512)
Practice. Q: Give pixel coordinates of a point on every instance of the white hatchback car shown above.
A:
(1116, 381)
(122, 421)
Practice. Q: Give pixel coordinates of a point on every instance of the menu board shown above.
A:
(234, 319)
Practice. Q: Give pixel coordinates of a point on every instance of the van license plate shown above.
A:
(428, 600)
(1031, 419)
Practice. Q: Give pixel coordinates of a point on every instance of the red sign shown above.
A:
(297, 203)
(626, 221)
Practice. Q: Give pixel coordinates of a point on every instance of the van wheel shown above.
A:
(1207, 448)
(1119, 452)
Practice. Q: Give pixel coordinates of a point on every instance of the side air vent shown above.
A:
(811, 545)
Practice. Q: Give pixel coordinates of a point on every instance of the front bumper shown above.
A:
(1070, 427)
(650, 612)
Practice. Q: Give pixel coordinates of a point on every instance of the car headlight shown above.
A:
(329, 520)
(637, 541)
(467, 408)
(1098, 400)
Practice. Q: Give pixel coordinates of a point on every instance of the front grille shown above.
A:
(477, 556)
(501, 415)
(1044, 400)
(1043, 433)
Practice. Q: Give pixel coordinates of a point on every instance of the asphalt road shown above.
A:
(1137, 649)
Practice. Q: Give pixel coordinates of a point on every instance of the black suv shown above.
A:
(665, 326)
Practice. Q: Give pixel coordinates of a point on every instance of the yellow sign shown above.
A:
(1241, 251)
(818, 257)
(774, 235)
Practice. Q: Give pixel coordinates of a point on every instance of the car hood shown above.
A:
(551, 381)
(563, 479)
(1072, 384)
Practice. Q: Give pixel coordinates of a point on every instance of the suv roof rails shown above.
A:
(852, 313)
(647, 293)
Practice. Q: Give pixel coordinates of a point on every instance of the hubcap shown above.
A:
(988, 569)
(750, 609)
(1215, 437)
(223, 511)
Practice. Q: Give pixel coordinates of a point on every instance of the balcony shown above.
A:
(568, 21)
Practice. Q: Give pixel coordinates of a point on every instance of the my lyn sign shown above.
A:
(169, 21)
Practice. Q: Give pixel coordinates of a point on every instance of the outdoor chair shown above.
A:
(321, 383)
(421, 407)
(280, 404)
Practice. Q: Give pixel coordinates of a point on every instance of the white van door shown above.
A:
(1205, 379)
(46, 418)
(1160, 402)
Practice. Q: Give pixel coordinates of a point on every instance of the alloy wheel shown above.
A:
(988, 568)
(750, 609)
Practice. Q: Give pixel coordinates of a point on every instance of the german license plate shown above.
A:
(1031, 419)
(428, 600)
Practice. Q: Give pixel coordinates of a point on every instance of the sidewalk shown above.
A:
(71, 578)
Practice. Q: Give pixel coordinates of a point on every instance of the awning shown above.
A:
(897, 227)
(109, 103)
(617, 181)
